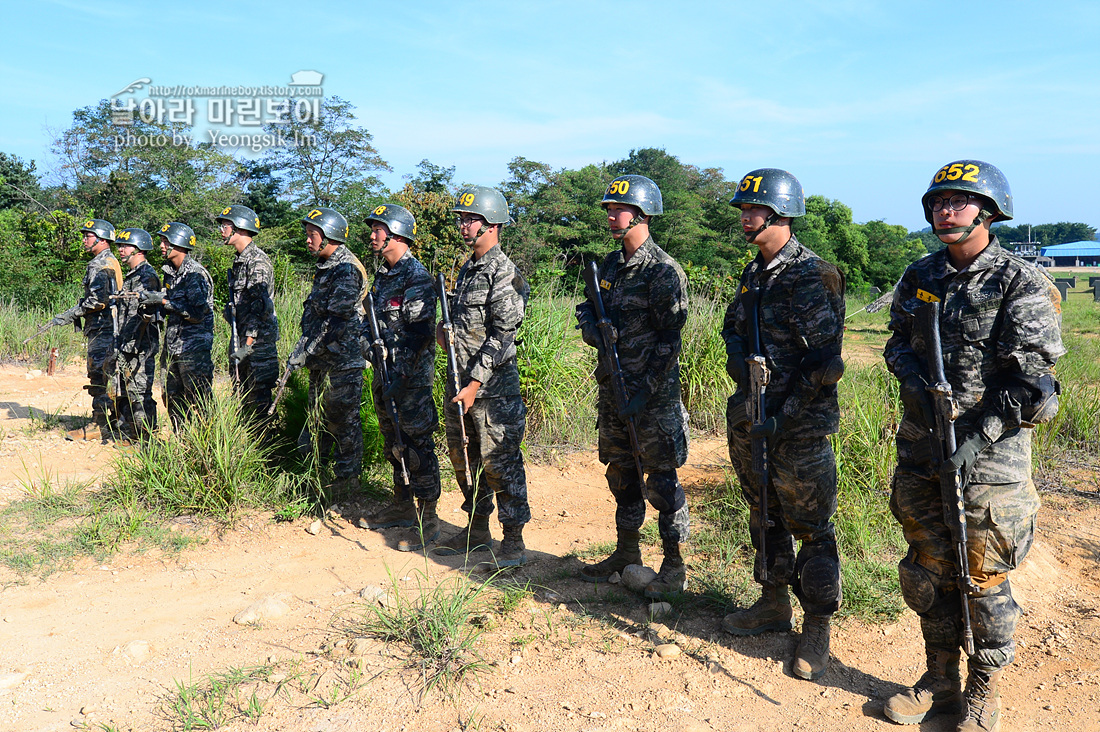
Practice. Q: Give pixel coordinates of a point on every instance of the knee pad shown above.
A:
(995, 614)
(623, 484)
(664, 491)
(818, 586)
(917, 588)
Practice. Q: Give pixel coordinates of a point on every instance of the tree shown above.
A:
(18, 183)
(332, 161)
(828, 229)
(433, 178)
(143, 174)
(889, 252)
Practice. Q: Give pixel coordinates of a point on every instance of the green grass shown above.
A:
(431, 622)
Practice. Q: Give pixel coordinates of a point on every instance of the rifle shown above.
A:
(759, 376)
(378, 348)
(301, 347)
(610, 355)
(125, 295)
(952, 486)
(234, 344)
(452, 372)
(41, 329)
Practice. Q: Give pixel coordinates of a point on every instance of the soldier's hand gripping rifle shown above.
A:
(452, 373)
(610, 355)
(294, 362)
(60, 319)
(759, 376)
(952, 485)
(378, 358)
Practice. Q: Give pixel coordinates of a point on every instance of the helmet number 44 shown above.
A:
(955, 171)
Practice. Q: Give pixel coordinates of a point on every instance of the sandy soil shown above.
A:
(104, 646)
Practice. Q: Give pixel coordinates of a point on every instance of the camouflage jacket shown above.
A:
(332, 316)
(189, 309)
(404, 304)
(801, 317)
(646, 300)
(1000, 316)
(487, 308)
(102, 278)
(251, 289)
(138, 325)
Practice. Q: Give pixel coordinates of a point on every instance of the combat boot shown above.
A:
(398, 513)
(512, 550)
(673, 575)
(91, 432)
(983, 700)
(939, 690)
(627, 551)
(772, 612)
(424, 531)
(811, 660)
(473, 539)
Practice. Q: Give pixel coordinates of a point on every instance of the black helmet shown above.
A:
(330, 221)
(102, 229)
(486, 202)
(637, 191)
(138, 238)
(774, 188)
(242, 217)
(396, 218)
(972, 176)
(178, 235)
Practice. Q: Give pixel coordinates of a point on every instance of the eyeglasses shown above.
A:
(461, 221)
(957, 202)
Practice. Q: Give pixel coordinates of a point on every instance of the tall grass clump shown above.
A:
(1076, 427)
(18, 323)
(705, 385)
(215, 465)
(555, 369)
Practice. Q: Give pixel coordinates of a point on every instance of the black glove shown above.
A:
(151, 297)
(590, 332)
(636, 404)
(240, 354)
(396, 389)
(737, 368)
(965, 456)
(770, 428)
(917, 400)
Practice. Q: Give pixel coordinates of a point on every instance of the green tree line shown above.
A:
(113, 172)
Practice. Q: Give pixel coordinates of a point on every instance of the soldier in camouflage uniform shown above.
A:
(138, 336)
(188, 306)
(332, 323)
(1000, 333)
(645, 296)
(404, 304)
(487, 308)
(800, 312)
(102, 278)
(254, 359)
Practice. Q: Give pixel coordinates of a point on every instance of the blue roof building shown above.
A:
(1074, 254)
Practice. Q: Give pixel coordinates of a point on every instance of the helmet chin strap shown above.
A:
(771, 219)
(620, 233)
(472, 238)
(980, 219)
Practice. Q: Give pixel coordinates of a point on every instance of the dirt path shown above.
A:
(113, 640)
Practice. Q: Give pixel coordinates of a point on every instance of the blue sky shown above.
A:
(863, 101)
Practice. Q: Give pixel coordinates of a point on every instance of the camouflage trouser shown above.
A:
(801, 504)
(258, 373)
(189, 378)
(495, 427)
(1000, 522)
(341, 394)
(100, 346)
(136, 406)
(664, 446)
(419, 419)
